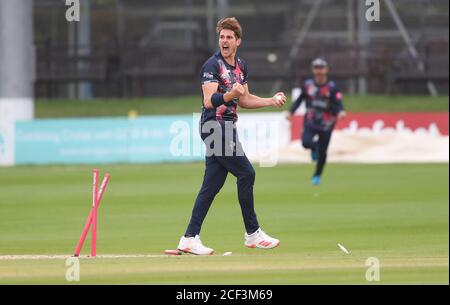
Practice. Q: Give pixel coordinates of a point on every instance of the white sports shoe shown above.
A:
(261, 240)
(193, 245)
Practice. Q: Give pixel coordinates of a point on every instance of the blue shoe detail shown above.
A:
(315, 180)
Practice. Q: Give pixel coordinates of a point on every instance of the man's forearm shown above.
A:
(253, 102)
(228, 96)
(210, 104)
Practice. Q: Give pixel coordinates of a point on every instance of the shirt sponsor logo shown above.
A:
(319, 104)
(208, 75)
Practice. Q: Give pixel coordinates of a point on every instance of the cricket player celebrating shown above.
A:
(224, 87)
(324, 107)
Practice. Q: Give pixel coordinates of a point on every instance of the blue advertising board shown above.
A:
(108, 140)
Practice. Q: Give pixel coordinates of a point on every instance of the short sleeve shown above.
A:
(209, 73)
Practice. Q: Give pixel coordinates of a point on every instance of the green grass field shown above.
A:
(397, 213)
(189, 104)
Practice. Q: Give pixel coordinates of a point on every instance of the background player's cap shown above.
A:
(319, 62)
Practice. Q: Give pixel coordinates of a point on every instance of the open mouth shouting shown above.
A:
(226, 48)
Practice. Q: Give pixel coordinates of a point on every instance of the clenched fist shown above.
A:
(237, 90)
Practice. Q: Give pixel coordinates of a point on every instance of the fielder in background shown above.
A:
(224, 88)
(323, 108)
